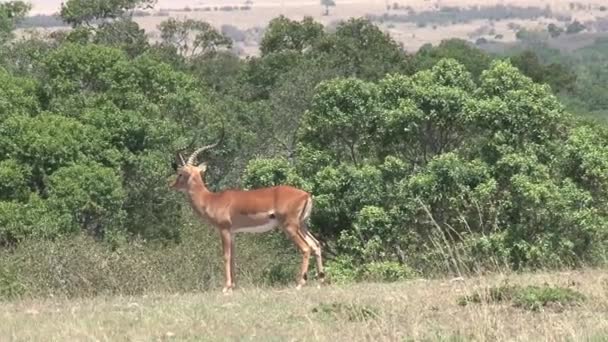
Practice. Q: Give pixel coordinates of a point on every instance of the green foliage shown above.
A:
(77, 70)
(14, 180)
(534, 298)
(341, 270)
(372, 236)
(360, 49)
(284, 34)
(472, 58)
(192, 37)
(31, 220)
(10, 286)
(342, 117)
(80, 266)
(347, 311)
(515, 109)
(487, 159)
(575, 27)
(440, 161)
(261, 173)
(387, 271)
(124, 34)
(17, 96)
(554, 30)
(91, 195)
(47, 142)
(558, 76)
(79, 12)
(424, 115)
(11, 12)
(586, 158)
(328, 4)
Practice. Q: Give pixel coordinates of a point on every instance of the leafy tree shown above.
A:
(11, 12)
(360, 49)
(343, 117)
(17, 96)
(554, 30)
(575, 27)
(557, 75)
(261, 74)
(474, 59)
(290, 99)
(124, 34)
(219, 71)
(88, 12)
(328, 4)
(425, 115)
(192, 37)
(32, 220)
(270, 172)
(92, 195)
(283, 34)
(14, 179)
(47, 142)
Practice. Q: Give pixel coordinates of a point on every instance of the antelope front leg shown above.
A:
(227, 247)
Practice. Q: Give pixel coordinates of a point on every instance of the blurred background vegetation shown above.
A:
(450, 160)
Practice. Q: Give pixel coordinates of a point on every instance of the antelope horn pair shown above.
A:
(196, 153)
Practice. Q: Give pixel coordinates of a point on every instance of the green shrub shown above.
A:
(80, 266)
(91, 195)
(386, 271)
(270, 172)
(347, 311)
(530, 297)
(10, 285)
(14, 179)
(371, 237)
(33, 219)
(341, 270)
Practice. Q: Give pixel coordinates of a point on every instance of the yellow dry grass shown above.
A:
(408, 34)
(412, 310)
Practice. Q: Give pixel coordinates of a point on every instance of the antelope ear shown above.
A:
(202, 167)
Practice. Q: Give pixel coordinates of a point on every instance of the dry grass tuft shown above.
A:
(414, 310)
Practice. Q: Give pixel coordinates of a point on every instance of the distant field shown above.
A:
(417, 309)
(409, 34)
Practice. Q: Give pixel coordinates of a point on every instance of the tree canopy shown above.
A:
(404, 153)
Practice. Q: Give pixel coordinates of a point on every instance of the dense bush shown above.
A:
(445, 161)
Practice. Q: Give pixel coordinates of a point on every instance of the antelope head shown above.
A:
(187, 170)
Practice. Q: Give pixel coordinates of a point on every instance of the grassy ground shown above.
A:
(413, 310)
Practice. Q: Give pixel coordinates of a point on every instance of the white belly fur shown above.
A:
(258, 229)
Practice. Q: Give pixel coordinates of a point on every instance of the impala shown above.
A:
(252, 211)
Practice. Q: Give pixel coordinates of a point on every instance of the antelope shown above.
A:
(248, 211)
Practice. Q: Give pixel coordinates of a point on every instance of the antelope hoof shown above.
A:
(299, 287)
(227, 291)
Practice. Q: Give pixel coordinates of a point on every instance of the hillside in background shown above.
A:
(411, 23)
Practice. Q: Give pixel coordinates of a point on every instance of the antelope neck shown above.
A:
(198, 192)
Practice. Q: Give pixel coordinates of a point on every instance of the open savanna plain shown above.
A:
(410, 34)
(418, 309)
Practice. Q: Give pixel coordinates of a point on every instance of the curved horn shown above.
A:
(195, 154)
(180, 158)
